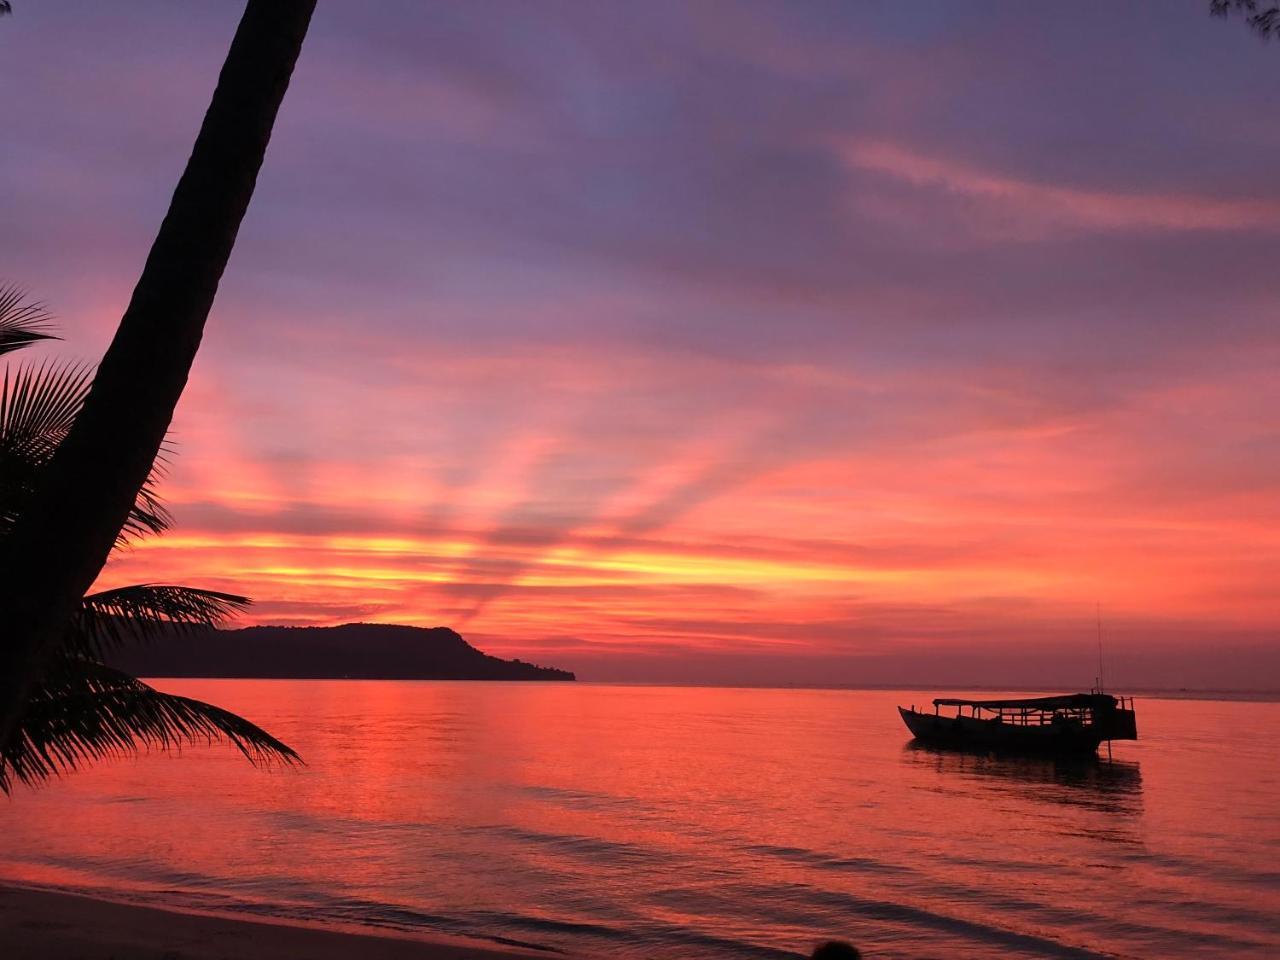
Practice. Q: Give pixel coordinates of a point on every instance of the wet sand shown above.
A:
(42, 925)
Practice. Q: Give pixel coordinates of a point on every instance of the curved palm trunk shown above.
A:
(58, 547)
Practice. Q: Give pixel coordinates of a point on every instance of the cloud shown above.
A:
(1007, 203)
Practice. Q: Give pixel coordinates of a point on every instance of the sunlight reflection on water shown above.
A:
(685, 822)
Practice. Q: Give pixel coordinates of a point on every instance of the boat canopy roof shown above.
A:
(1065, 701)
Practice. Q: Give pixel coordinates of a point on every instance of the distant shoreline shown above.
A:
(355, 651)
(38, 923)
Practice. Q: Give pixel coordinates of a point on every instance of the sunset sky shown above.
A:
(765, 342)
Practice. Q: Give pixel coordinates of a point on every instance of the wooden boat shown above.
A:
(1070, 724)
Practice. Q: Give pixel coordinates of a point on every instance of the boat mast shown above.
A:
(1101, 689)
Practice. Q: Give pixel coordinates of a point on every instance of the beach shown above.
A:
(43, 925)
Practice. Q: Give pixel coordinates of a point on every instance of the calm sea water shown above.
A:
(685, 822)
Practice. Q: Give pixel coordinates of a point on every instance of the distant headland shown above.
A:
(356, 651)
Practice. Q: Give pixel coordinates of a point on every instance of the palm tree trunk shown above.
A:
(60, 543)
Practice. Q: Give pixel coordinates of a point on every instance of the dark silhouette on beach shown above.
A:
(836, 950)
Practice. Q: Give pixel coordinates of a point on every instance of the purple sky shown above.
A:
(957, 317)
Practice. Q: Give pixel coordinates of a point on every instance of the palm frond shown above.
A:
(149, 514)
(1262, 17)
(84, 711)
(146, 611)
(22, 321)
(38, 405)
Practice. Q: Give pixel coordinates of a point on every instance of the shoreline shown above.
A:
(38, 923)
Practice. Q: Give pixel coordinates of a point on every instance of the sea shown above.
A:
(600, 820)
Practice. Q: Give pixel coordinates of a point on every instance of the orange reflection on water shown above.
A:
(680, 822)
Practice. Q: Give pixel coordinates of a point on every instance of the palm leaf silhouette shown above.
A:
(38, 404)
(146, 612)
(1262, 17)
(84, 711)
(22, 322)
(81, 709)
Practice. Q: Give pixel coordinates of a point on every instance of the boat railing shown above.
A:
(1023, 717)
(1035, 717)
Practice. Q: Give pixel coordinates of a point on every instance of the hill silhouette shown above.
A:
(365, 651)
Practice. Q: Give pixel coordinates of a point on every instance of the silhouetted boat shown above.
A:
(1073, 723)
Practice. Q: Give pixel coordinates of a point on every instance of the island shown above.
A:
(356, 651)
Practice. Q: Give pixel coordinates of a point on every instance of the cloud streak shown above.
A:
(1023, 203)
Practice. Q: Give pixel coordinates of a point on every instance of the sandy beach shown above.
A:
(43, 925)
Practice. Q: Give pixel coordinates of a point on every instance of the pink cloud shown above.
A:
(1025, 204)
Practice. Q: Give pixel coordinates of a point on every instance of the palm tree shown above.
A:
(56, 548)
(78, 708)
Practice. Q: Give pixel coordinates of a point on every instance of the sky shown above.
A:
(722, 342)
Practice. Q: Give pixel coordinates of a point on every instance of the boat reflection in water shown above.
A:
(1107, 786)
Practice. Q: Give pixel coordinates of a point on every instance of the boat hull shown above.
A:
(970, 733)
